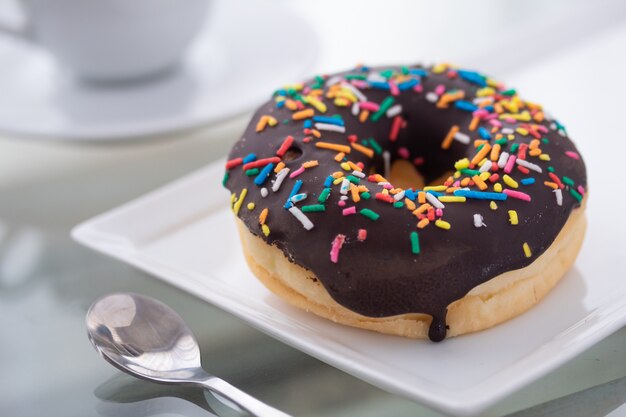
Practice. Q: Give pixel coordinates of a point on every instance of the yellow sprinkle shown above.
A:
(513, 217)
(522, 131)
(239, 201)
(442, 224)
(340, 156)
(341, 102)
(451, 199)
(457, 175)
(310, 164)
(436, 188)
(337, 174)
(333, 147)
(485, 176)
(346, 166)
(263, 216)
(485, 91)
(319, 106)
(497, 187)
(493, 205)
(271, 121)
(250, 206)
(461, 164)
(265, 229)
(544, 157)
(338, 181)
(527, 251)
(510, 181)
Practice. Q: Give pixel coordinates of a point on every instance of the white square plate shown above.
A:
(184, 234)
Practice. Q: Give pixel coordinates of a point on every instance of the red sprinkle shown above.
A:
(362, 235)
(395, 128)
(261, 163)
(556, 179)
(384, 197)
(285, 145)
(234, 162)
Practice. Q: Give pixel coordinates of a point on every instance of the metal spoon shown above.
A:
(147, 339)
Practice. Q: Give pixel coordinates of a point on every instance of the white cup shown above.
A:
(112, 40)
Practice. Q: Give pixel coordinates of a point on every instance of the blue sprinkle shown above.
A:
(435, 193)
(418, 71)
(490, 109)
(281, 92)
(528, 181)
(484, 133)
(473, 77)
(330, 120)
(465, 105)
(364, 69)
(265, 172)
(308, 124)
(251, 157)
(410, 194)
(408, 84)
(294, 191)
(280, 104)
(379, 85)
(329, 181)
(481, 195)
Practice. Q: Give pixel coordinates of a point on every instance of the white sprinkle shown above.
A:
(462, 137)
(562, 133)
(387, 161)
(553, 126)
(345, 186)
(376, 77)
(478, 221)
(333, 80)
(343, 197)
(302, 218)
(383, 183)
(298, 197)
(434, 201)
(279, 179)
(264, 192)
(559, 196)
(330, 127)
(486, 166)
(432, 97)
(399, 196)
(507, 131)
(479, 100)
(529, 165)
(394, 111)
(358, 174)
(355, 109)
(504, 156)
(356, 91)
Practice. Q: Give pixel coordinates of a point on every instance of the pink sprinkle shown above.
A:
(542, 128)
(516, 194)
(418, 88)
(439, 212)
(299, 105)
(581, 190)
(440, 89)
(362, 235)
(341, 203)
(360, 165)
(492, 116)
(297, 172)
(306, 90)
(403, 153)
(495, 123)
(480, 113)
(572, 154)
(388, 186)
(456, 183)
(368, 105)
(509, 120)
(418, 161)
(348, 211)
(359, 83)
(336, 247)
(393, 88)
(509, 164)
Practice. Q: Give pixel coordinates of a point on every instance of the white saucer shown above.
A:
(248, 49)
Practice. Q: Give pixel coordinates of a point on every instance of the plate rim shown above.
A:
(598, 324)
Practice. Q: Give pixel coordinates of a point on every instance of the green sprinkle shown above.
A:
(545, 140)
(324, 195)
(398, 204)
(501, 141)
(514, 147)
(480, 146)
(366, 196)
(225, 179)
(253, 171)
(313, 208)
(375, 145)
(387, 73)
(384, 106)
(405, 70)
(415, 243)
(576, 194)
(369, 214)
(353, 179)
(550, 169)
(509, 92)
(355, 77)
(568, 181)
(472, 172)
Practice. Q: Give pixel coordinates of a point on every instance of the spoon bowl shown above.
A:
(145, 338)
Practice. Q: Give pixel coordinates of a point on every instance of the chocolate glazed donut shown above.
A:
(309, 176)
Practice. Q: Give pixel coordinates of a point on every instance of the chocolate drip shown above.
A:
(381, 277)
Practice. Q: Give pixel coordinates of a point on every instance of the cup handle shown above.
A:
(14, 28)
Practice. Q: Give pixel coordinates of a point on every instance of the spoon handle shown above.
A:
(240, 398)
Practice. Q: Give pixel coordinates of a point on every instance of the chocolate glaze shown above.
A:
(381, 277)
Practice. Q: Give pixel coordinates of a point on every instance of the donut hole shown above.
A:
(292, 154)
(404, 174)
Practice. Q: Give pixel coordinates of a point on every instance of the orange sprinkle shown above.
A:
(363, 189)
(478, 142)
(534, 144)
(495, 152)
(421, 197)
(339, 157)
(363, 116)
(409, 204)
(260, 126)
(447, 98)
(481, 154)
(422, 209)
(337, 174)
(354, 190)
(465, 181)
(310, 164)
(479, 182)
(423, 223)
(263, 216)
(364, 150)
(316, 133)
(333, 147)
(291, 105)
(447, 141)
(534, 152)
(474, 123)
(354, 166)
(280, 166)
(551, 184)
(303, 114)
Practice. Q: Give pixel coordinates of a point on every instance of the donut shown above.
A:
(419, 201)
